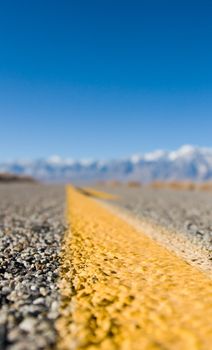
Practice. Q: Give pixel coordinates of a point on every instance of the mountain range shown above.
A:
(186, 163)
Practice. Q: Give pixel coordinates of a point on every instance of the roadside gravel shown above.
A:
(31, 228)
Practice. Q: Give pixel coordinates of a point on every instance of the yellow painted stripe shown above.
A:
(98, 194)
(121, 290)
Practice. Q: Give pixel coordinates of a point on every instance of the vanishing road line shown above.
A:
(121, 290)
(98, 194)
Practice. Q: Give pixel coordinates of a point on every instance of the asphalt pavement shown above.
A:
(188, 212)
(31, 229)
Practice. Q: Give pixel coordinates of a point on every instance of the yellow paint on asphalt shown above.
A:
(98, 194)
(121, 290)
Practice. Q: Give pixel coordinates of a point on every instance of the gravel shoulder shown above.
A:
(31, 229)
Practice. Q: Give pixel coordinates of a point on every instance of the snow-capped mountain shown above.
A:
(186, 163)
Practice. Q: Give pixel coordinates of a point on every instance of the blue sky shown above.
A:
(104, 78)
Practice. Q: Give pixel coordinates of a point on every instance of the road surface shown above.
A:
(105, 276)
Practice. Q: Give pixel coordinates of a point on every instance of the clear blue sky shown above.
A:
(104, 78)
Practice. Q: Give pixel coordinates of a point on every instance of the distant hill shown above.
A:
(7, 177)
(187, 163)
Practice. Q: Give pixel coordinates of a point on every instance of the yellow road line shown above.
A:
(121, 290)
(98, 194)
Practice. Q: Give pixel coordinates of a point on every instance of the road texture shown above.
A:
(97, 280)
(188, 212)
(180, 220)
(121, 290)
(31, 228)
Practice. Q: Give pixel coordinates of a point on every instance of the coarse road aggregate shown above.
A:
(31, 229)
